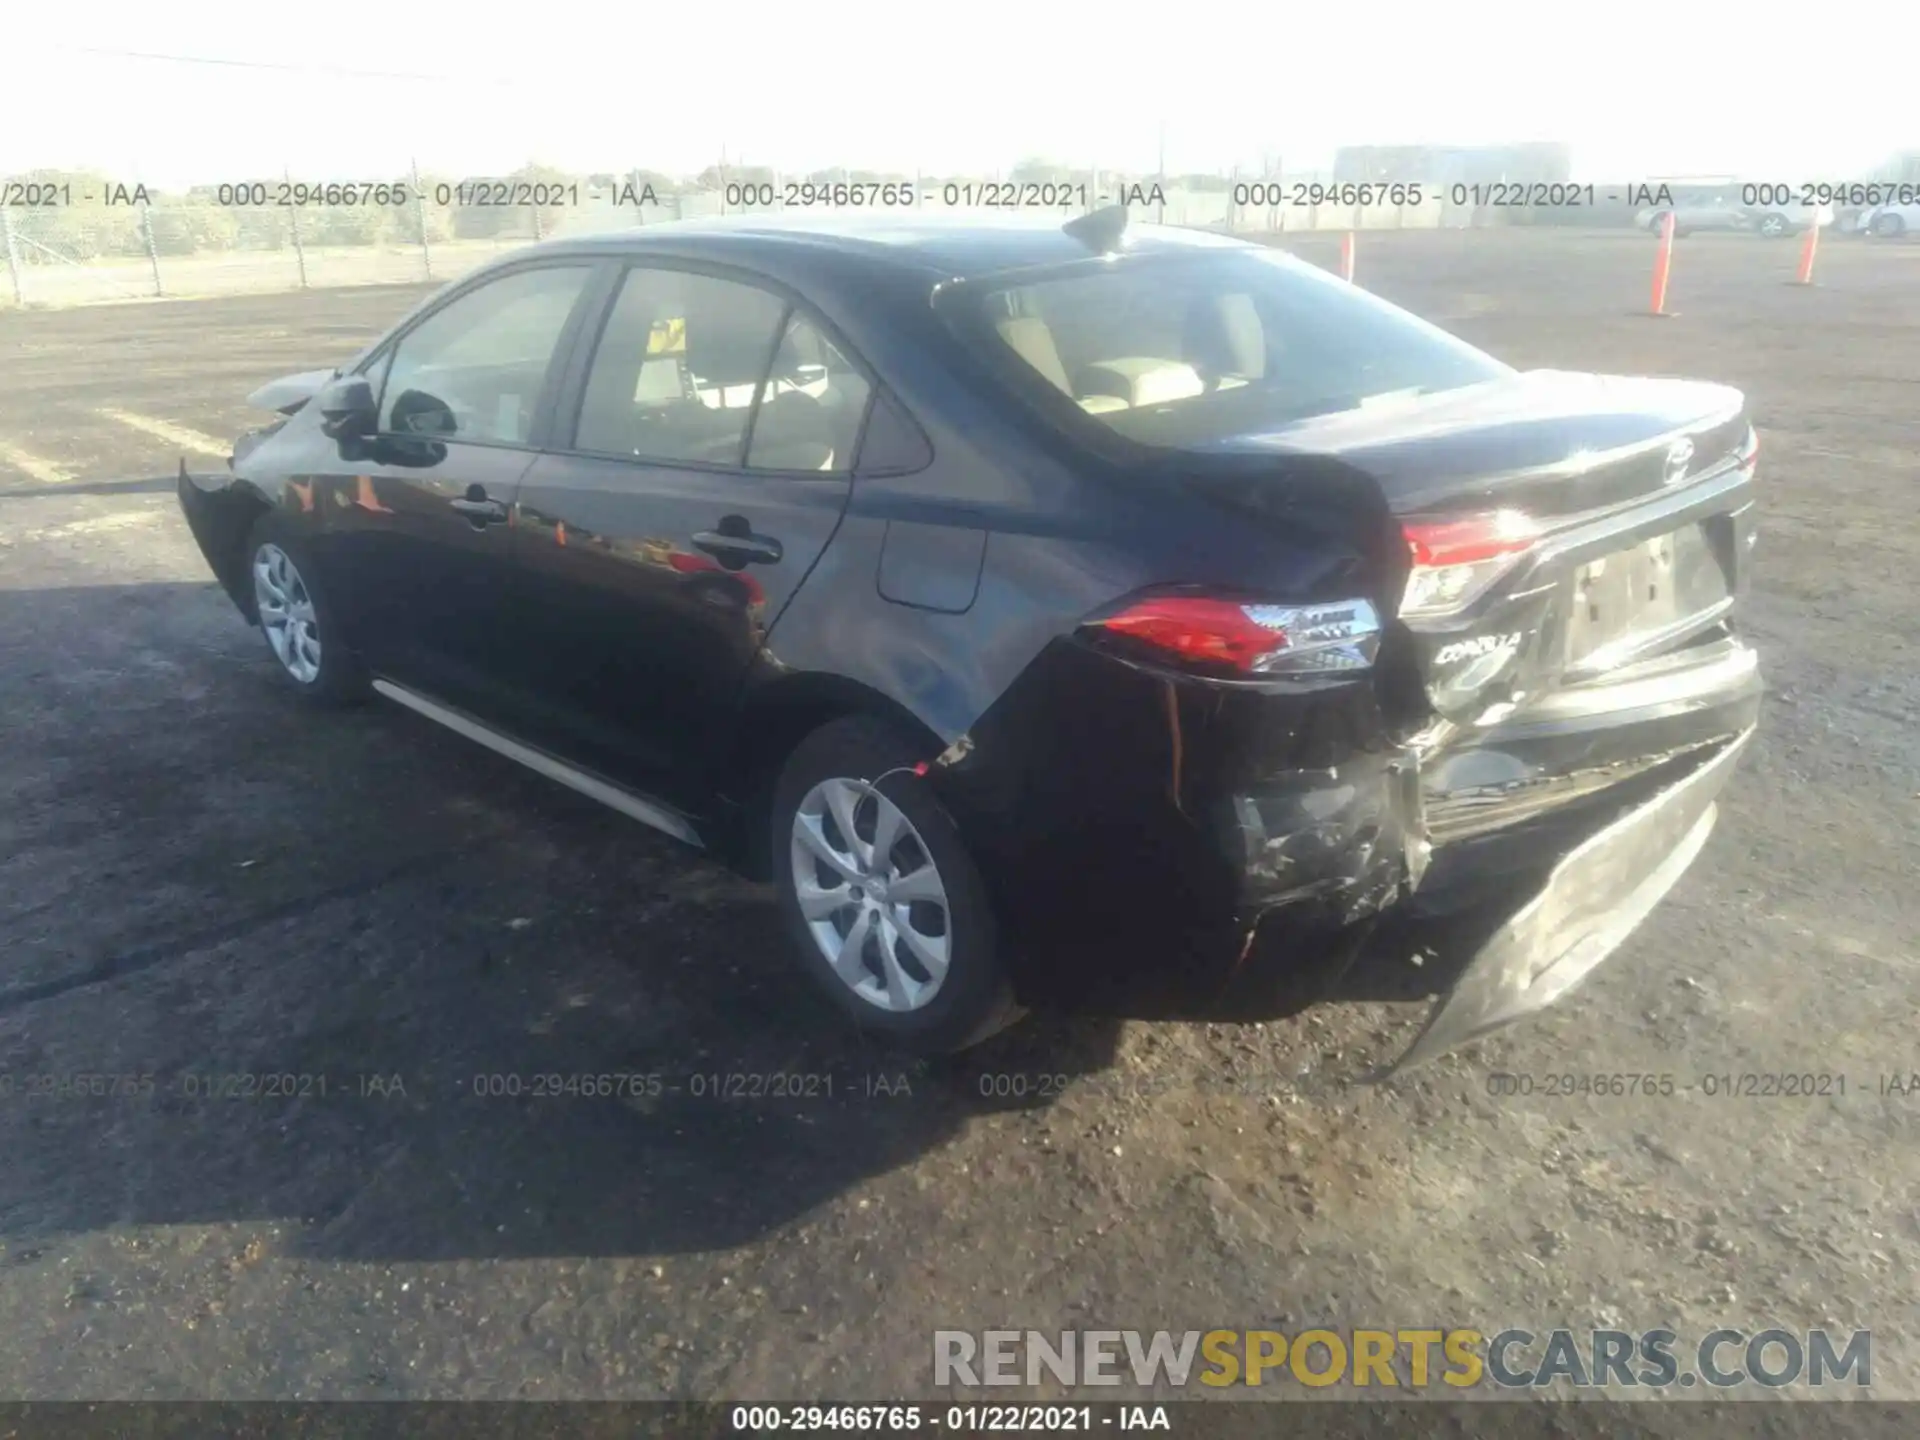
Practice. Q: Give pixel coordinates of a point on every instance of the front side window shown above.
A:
(678, 368)
(474, 370)
(1181, 351)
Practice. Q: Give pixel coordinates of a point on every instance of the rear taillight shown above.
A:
(1235, 638)
(1454, 561)
(1748, 456)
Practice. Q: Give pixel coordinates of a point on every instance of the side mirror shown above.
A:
(347, 408)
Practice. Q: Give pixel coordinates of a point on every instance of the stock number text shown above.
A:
(1866, 193)
(1312, 192)
(826, 1417)
(290, 193)
(797, 194)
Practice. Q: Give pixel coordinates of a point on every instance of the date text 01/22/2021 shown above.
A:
(954, 194)
(1720, 1085)
(263, 1085)
(734, 1085)
(960, 1419)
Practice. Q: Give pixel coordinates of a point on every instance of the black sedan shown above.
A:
(1118, 616)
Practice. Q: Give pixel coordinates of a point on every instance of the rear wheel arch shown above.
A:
(771, 724)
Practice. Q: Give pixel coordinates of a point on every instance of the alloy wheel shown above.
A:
(287, 613)
(871, 895)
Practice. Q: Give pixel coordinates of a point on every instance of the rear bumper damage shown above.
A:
(1592, 900)
(1585, 810)
(1215, 855)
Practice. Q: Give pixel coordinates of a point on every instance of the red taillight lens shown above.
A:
(1749, 456)
(1214, 632)
(1454, 561)
(1248, 639)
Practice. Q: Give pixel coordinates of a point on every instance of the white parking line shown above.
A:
(177, 435)
(32, 466)
(118, 520)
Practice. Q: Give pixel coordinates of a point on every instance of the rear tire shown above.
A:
(1774, 226)
(299, 623)
(1889, 227)
(893, 921)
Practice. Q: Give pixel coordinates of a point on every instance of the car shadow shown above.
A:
(352, 974)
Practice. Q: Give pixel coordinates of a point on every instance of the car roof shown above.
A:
(954, 246)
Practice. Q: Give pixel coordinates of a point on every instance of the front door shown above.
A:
(417, 518)
(706, 470)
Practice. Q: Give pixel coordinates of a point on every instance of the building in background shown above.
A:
(1446, 165)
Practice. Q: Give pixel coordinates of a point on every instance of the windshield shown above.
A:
(1184, 350)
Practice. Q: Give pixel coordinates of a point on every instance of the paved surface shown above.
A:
(197, 880)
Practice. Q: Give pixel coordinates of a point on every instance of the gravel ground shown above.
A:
(196, 879)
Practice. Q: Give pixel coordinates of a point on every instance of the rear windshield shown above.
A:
(1178, 351)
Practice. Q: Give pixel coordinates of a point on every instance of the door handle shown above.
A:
(743, 549)
(480, 512)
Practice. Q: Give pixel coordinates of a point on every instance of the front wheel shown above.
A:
(1888, 227)
(879, 894)
(300, 626)
(1773, 226)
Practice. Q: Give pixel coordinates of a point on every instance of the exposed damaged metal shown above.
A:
(1474, 810)
(1593, 899)
(1354, 835)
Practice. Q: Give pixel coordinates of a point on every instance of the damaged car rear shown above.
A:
(1141, 621)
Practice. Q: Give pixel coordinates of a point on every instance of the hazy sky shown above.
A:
(1787, 92)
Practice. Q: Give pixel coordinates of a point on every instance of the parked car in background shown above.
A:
(1697, 208)
(1775, 221)
(1890, 222)
(1721, 207)
(1090, 614)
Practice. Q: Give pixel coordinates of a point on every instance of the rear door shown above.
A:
(705, 449)
(417, 518)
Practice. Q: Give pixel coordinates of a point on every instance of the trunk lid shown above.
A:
(1547, 442)
(1633, 497)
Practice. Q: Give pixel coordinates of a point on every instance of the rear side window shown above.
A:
(475, 369)
(1184, 350)
(812, 406)
(679, 365)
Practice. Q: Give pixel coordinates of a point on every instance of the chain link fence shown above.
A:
(84, 239)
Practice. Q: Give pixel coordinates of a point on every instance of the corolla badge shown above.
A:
(1478, 647)
(1679, 456)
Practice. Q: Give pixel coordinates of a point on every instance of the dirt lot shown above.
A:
(197, 880)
